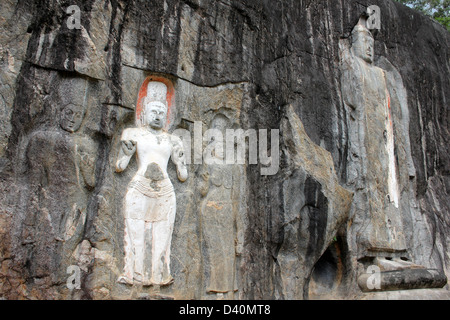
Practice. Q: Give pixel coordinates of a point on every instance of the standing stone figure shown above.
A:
(222, 236)
(61, 174)
(150, 203)
(373, 174)
(372, 168)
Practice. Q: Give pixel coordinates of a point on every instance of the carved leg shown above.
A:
(134, 250)
(161, 241)
(161, 238)
(138, 236)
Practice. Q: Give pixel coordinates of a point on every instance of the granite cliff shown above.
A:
(278, 65)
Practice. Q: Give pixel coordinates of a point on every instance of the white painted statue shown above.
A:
(150, 203)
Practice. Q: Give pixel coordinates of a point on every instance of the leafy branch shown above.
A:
(439, 10)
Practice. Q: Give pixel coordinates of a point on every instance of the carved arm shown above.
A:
(126, 151)
(178, 159)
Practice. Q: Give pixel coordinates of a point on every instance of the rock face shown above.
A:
(309, 229)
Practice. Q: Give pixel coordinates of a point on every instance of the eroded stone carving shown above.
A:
(372, 168)
(221, 224)
(57, 160)
(373, 172)
(150, 203)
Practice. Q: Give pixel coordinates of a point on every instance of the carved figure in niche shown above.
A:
(61, 174)
(372, 163)
(150, 203)
(373, 174)
(221, 229)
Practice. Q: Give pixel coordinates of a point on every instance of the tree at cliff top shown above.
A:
(437, 9)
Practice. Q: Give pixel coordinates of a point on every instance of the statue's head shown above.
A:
(71, 117)
(220, 122)
(154, 115)
(154, 112)
(362, 43)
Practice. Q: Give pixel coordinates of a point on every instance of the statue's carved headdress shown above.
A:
(361, 27)
(156, 92)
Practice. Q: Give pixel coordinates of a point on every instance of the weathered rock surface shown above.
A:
(255, 64)
(316, 208)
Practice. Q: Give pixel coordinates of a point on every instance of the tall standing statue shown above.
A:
(373, 174)
(372, 168)
(150, 203)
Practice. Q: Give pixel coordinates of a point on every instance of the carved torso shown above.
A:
(150, 148)
(67, 158)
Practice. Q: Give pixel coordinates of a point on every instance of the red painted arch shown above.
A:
(143, 93)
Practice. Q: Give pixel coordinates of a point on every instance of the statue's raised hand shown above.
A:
(129, 147)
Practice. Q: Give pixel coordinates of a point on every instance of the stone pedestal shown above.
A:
(402, 280)
(417, 294)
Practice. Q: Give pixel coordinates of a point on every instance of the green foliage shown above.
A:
(436, 9)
